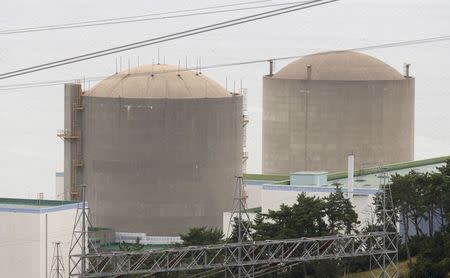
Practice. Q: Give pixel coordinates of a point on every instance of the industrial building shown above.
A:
(29, 230)
(322, 107)
(158, 147)
(269, 192)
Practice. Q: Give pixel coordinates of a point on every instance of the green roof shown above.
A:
(284, 179)
(391, 167)
(115, 246)
(97, 229)
(254, 210)
(34, 202)
(264, 177)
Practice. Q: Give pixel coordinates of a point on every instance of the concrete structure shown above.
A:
(159, 149)
(27, 233)
(324, 106)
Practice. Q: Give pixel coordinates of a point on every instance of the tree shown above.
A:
(202, 236)
(246, 231)
(307, 218)
(123, 246)
(445, 195)
(340, 213)
(434, 258)
(401, 197)
(303, 219)
(408, 197)
(426, 196)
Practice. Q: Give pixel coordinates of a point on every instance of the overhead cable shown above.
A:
(165, 38)
(96, 78)
(140, 18)
(372, 47)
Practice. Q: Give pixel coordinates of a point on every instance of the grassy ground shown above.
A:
(404, 270)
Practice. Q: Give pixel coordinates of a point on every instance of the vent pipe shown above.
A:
(407, 70)
(308, 72)
(350, 175)
(270, 67)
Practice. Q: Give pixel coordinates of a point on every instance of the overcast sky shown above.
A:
(30, 153)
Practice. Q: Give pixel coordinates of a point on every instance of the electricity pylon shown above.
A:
(57, 268)
(385, 264)
(81, 241)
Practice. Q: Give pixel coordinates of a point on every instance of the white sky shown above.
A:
(30, 153)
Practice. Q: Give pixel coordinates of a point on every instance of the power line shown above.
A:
(130, 17)
(96, 78)
(403, 43)
(50, 83)
(165, 38)
(140, 18)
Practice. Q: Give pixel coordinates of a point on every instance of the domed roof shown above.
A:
(339, 65)
(158, 82)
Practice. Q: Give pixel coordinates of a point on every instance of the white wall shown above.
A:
(273, 199)
(253, 196)
(60, 228)
(24, 242)
(19, 245)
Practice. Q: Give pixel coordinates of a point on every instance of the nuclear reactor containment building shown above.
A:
(324, 106)
(158, 148)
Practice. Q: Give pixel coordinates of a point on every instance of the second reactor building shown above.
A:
(323, 107)
(159, 149)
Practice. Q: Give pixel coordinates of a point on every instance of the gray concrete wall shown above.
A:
(161, 166)
(314, 125)
(71, 92)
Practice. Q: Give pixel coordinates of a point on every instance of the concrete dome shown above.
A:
(339, 65)
(164, 84)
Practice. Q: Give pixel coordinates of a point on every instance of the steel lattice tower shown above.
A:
(385, 265)
(80, 238)
(57, 269)
(240, 218)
